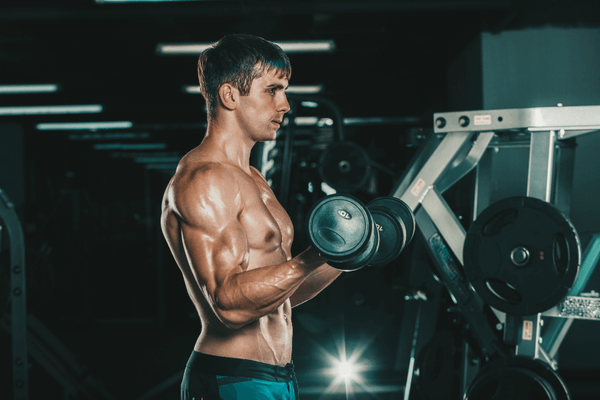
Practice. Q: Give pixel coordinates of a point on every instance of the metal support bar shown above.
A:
(413, 355)
(467, 163)
(564, 168)
(18, 324)
(286, 169)
(438, 163)
(446, 222)
(572, 121)
(452, 275)
(483, 184)
(541, 165)
(561, 330)
(420, 158)
(546, 357)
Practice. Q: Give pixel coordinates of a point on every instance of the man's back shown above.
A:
(235, 224)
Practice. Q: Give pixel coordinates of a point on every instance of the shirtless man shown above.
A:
(230, 236)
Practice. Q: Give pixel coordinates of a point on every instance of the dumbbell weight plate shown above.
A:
(363, 258)
(396, 225)
(342, 229)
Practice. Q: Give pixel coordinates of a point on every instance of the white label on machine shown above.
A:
(527, 330)
(483, 120)
(418, 187)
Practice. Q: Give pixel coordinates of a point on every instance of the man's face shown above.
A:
(262, 110)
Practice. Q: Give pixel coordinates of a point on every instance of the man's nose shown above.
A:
(284, 105)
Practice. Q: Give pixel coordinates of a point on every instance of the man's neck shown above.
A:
(229, 142)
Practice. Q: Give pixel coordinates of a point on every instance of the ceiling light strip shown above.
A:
(43, 110)
(130, 146)
(63, 126)
(305, 89)
(142, 1)
(16, 89)
(295, 89)
(309, 46)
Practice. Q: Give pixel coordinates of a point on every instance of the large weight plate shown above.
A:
(341, 227)
(345, 166)
(522, 255)
(517, 378)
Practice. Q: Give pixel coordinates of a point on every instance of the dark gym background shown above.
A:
(100, 276)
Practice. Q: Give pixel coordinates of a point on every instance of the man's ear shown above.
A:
(229, 96)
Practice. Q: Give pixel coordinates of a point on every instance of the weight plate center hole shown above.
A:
(344, 166)
(519, 256)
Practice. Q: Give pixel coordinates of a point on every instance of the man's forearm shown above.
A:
(318, 280)
(249, 295)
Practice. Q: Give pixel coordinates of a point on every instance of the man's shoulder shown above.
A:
(203, 176)
(201, 188)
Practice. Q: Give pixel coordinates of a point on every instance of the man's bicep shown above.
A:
(214, 253)
(213, 238)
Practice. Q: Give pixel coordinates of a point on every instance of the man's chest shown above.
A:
(266, 222)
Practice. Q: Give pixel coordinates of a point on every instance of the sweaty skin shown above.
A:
(232, 239)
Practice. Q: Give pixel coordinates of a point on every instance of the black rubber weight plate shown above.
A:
(522, 255)
(517, 378)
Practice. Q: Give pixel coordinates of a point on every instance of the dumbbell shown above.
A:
(351, 235)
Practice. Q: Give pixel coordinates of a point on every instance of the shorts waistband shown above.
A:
(227, 366)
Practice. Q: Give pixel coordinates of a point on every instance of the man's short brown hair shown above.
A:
(238, 59)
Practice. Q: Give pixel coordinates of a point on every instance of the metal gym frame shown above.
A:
(17, 325)
(463, 142)
(30, 338)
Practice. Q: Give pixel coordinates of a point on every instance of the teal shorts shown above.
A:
(208, 377)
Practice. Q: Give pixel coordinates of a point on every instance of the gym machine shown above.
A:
(521, 256)
(29, 336)
(18, 323)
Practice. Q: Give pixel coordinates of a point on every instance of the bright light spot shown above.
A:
(306, 121)
(50, 126)
(197, 48)
(41, 110)
(49, 88)
(327, 189)
(325, 122)
(304, 89)
(310, 187)
(346, 370)
(192, 89)
(298, 89)
(309, 104)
